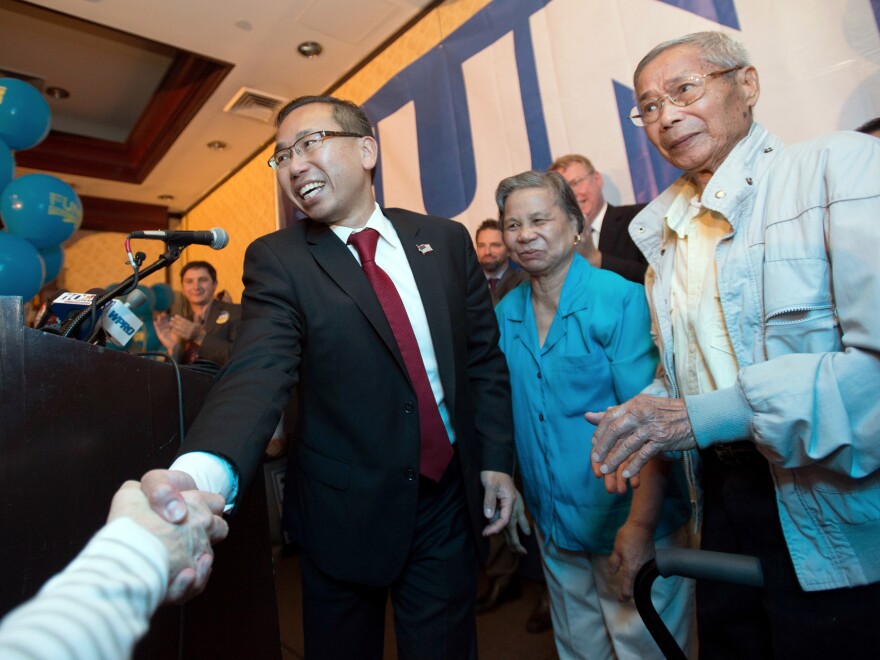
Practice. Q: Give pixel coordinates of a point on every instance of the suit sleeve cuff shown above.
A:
(720, 416)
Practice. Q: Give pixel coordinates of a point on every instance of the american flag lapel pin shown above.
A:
(424, 248)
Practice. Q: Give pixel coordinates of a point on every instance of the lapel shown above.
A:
(334, 257)
(608, 235)
(430, 282)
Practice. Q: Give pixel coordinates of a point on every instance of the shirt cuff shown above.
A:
(211, 473)
(720, 416)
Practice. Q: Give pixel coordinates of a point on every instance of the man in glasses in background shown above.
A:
(403, 441)
(606, 242)
(764, 287)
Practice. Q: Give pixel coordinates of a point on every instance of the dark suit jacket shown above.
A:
(310, 317)
(217, 344)
(619, 253)
(512, 276)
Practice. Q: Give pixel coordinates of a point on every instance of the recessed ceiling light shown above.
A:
(57, 92)
(309, 49)
(166, 197)
(217, 145)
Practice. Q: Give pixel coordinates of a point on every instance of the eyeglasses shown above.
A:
(574, 183)
(306, 144)
(686, 90)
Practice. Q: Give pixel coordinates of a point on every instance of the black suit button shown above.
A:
(411, 474)
(409, 407)
(541, 417)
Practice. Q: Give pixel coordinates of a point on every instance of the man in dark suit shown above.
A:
(379, 504)
(493, 256)
(209, 330)
(606, 243)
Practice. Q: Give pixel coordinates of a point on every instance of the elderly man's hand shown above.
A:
(638, 430)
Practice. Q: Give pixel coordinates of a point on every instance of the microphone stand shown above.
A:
(171, 254)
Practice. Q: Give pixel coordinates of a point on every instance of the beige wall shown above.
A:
(98, 258)
(245, 204)
(245, 207)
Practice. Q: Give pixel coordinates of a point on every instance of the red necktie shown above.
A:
(493, 282)
(435, 449)
(190, 350)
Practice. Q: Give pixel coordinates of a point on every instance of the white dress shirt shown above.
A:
(596, 225)
(391, 258)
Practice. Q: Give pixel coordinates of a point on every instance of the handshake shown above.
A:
(187, 540)
(101, 603)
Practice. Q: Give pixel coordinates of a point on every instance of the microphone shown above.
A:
(215, 238)
(45, 314)
(119, 322)
(68, 305)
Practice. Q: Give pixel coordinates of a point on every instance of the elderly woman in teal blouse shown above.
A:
(578, 338)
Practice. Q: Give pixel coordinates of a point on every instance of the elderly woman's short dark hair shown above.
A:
(550, 181)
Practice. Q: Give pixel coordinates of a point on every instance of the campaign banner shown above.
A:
(525, 81)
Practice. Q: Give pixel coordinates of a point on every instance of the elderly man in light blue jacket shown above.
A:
(764, 293)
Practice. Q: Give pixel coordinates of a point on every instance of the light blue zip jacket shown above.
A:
(799, 290)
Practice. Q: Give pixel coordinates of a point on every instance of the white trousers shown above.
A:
(589, 622)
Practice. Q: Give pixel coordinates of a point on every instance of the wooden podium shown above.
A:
(76, 421)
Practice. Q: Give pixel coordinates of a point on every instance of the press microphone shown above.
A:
(119, 322)
(45, 313)
(215, 238)
(68, 305)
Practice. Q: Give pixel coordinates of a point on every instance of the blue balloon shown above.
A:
(25, 117)
(152, 342)
(7, 165)
(164, 296)
(21, 268)
(53, 259)
(41, 208)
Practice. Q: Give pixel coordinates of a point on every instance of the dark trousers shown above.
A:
(433, 597)
(782, 620)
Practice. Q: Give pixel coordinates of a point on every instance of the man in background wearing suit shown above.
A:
(210, 330)
(606, 242)
(493, 256)
(383, 319)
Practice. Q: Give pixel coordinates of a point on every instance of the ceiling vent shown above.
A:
(254, 104)
(36, 81)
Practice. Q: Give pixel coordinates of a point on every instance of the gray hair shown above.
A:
(717, 48)
(551, 181)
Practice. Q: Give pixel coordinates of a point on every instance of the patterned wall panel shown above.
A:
(245, 207)
(96, 259)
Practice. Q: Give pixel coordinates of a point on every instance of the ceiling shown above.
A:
(149, 81)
